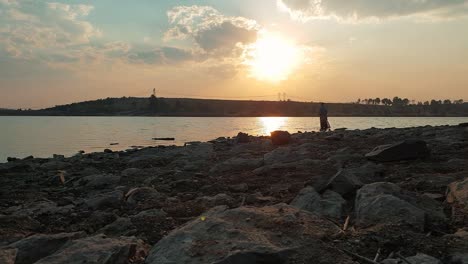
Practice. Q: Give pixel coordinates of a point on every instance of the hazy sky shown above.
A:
(313, 50)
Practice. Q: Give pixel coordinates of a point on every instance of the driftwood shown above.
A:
(166, 139)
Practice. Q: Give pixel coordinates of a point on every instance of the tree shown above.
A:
(426, 103)
(377, 100)
(447, 102)
(386, 101)
(397, 101)
(364, 101)
(459, 101)
(405, 101)
(359, 100)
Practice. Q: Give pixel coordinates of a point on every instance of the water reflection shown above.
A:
(271, 124)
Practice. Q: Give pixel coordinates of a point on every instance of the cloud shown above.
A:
(28, 26)
(355, 10)
(161, 56)
(210, 30)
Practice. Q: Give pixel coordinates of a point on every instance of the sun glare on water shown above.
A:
(272, 57)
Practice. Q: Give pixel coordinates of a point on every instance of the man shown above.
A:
(323, 113)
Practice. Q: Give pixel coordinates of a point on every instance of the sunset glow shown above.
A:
(273, 57)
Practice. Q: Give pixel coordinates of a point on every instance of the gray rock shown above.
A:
(377, 203)
(44, 207)
(131, 172)
(405, 150)
(35, 247)
(280, 155)
(212, 201)
(237, 164)
(280, 137)
(54, 165)
(146, 197)
(329, 204)
(423, 259)
(152, 215)
(459, 258)
(120, 227)
(8, 255)
(249, 235)
(100, 181)
(344, 182)
(106, 200)
(95, 250)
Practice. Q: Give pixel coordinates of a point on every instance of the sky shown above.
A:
(60, 52)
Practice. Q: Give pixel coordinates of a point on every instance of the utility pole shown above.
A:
(284, 96)
(279, 97)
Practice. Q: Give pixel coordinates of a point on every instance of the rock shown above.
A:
(463, 125)
(330, 204)
(274, 234)
(131, 172)
(98, 219)
(343, 182)
(145, 197)
(219, 199)
(21, 222)
(375, 203)
(54, 165)
(237, 164)
(405, 150)
(35, 247)
(100, 181)
(423, 259)
(8, 255)
(45, 208)
(242, 138)
(97, 249)
(108, 151)
(151, 215)
(458, 192)
(242, 187)
(279, 155)
(11, 159)
(106, 200)
(280, 137)
(459, 258)
(120, 227)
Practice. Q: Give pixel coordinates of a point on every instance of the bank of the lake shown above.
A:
(301, 198)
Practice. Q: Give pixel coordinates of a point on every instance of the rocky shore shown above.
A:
(361, 196)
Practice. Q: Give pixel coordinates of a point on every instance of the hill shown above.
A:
(133, 106)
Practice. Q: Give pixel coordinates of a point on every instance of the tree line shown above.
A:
(397, 101)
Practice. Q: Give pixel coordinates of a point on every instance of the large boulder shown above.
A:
(329, 204)
(96, 250)
(273, 234)
(35, 247)
(458, 192)
(379, 203)
(280, 137)
(405, 150)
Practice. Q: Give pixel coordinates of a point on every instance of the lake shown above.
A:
(44, 136)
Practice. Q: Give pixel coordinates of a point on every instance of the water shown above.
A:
(45, 136)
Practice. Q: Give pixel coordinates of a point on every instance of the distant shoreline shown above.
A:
(187, 107)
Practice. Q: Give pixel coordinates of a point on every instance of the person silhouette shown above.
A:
(323, 113)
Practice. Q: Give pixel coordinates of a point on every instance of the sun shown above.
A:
(272, 57)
